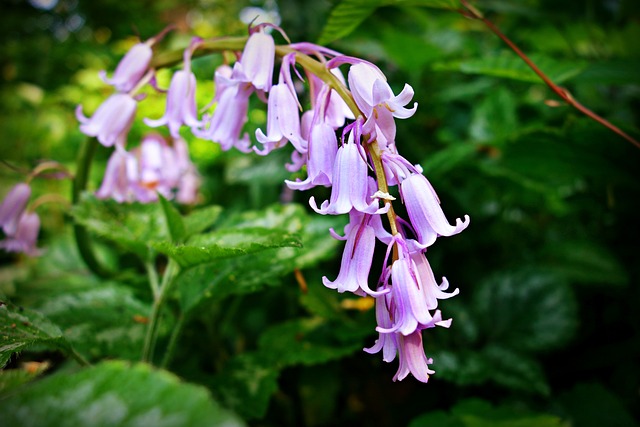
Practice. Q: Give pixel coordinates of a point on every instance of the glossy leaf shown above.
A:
(110, 394)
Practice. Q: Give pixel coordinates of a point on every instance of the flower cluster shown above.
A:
(345, 140)
(20, 226)
(155, 166)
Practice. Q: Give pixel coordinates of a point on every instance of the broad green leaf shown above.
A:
(113, 394)
(206, 248)
(305, 341)
(201, 219)
(349, 14)
(132, 226)
(494, 119)
(21, 328)
(102, 321)
(526, 310)
(515, 371)
(509, 66)
(246, 384)
(249, 273)
(480, 413)
(176, 226)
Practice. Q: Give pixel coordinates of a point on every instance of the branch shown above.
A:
(563, 93)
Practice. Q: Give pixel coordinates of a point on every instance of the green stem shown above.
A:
(78, 357)
(83, 242)
(152, 330)
(177, 329)
(153, 277)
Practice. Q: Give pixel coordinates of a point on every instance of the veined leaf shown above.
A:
(205, 248)
(21, 328)
(110, 394)
(509, 66)
(348, 14)
(175, 224)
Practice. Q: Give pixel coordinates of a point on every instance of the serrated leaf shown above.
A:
(509, 66)
(21, 328)
(110, 394)
(176, 226)
(249, 273)
(349, 14)
(131, 226)
(205, 248)
(102, 321)
(526, 309)
(246, 385)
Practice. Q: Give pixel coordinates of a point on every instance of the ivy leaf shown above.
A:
(114, 393)
(21, 328)
(205, 248)
(132, 226)
(102, 321)
(348, 14)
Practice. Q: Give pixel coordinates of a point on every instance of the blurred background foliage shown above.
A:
(546, 330)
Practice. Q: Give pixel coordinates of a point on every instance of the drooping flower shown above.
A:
(13, 206)
(283, 121)
(122, 168)
(350, 184)
(181, 100)
(225, 124)
(111, 121)
(356, 257)
(25, 237)
(256, 63)
(425, 213)
(131, 68)
(376, 100)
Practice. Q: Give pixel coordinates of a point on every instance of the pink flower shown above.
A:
(25, 237)
(122, 168)
(111, 121)
(425, 213)
(13, 206)
(256, 63)
(181, 100)
(131, 68)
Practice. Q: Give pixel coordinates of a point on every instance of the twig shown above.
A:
(471, 12)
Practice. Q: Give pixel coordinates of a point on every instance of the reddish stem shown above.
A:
(563, 93)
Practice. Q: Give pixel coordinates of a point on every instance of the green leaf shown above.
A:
(349, 14)
(346, 17)
(212, 282)
(515, 371)
(526, 310)
(177, 229)
(11, 379)
(201, 219)
(205, 248)
(480, 413)
(246, 384)
(494, 119)
(584, 261)
(592, 405)
(132, 226)
(509, 66)
(21, 328)
(102, 321)
(110, 394)
(305, 341)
